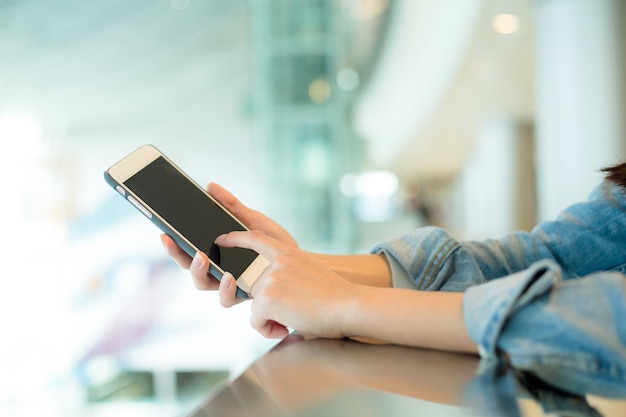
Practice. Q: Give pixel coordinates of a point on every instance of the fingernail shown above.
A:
(197, 260)
(220, 237)
(228, 280)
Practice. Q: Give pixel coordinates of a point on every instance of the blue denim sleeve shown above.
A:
(558, 329)
(587, 237)
(429, 258)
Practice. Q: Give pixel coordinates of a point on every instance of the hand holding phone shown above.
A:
(183, 210)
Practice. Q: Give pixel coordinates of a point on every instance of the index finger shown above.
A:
(254, 240)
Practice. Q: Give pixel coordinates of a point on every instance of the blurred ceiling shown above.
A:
(120, 68)
(115, 70)
(464, 73)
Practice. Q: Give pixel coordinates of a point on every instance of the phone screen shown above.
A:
(188, 210)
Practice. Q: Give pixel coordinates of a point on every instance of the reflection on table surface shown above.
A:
(320, 377)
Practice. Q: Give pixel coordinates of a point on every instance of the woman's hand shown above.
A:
(253, 219)
(295, 290)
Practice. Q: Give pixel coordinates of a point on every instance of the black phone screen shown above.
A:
(190, 211)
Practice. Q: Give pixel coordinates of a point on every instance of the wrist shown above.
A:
(373, 269)
(353, 312)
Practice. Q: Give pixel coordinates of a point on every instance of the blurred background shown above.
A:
(348, 121)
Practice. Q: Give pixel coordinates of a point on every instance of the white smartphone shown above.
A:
(185, 211)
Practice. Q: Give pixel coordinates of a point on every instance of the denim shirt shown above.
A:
(551, 301)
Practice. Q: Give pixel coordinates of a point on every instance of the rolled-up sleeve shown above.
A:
(430, 259)
(586, 237)
(558, 328)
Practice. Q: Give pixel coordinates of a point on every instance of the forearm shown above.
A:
(371, 270)
(431, 320)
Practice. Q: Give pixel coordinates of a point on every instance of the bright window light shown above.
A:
(370, 184)
(24, 135)
(505, 23)
(373, 193)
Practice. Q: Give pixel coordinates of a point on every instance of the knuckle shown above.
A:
(283, 260)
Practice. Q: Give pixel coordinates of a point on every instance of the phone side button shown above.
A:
(139, 206)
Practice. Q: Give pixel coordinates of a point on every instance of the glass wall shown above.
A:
(309, 60)
(255, 95)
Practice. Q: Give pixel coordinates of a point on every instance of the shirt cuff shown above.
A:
(487, 307)
(399, 276)
(419, 255)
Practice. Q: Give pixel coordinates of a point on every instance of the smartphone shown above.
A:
(182, 209)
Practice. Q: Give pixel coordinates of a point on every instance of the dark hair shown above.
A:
(616, 174)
